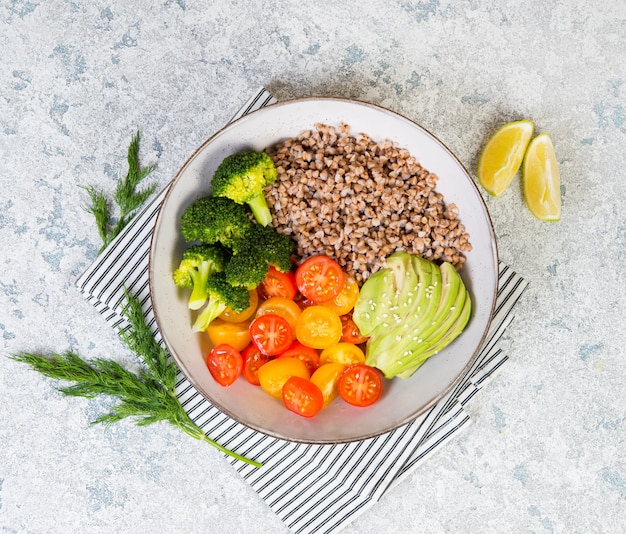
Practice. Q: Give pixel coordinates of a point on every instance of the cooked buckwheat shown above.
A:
(358, 201)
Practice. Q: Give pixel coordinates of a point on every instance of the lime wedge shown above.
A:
(541, 179)
(502, 156)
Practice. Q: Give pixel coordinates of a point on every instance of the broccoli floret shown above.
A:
(242, 177)
(221, 295)
(198, 262)
(253, 255)
(214, 220)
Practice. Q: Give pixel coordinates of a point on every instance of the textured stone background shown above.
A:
(546, 450)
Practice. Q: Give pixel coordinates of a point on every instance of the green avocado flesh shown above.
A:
(411, 309)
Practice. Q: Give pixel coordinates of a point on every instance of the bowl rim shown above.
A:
(426, 406)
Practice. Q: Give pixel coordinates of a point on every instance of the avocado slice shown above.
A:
(451, 284)
(450, 335)
(367, 313)
(410, 307)
(412, 352)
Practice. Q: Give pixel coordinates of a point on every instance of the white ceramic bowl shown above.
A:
(402, 400)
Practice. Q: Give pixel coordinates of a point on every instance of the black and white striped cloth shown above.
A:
(311, 488)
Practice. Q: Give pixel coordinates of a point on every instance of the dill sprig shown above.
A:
(146, 397)
(127, 197)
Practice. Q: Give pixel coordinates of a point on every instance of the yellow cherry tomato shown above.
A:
(345, 301)
(318, 327)
(326, 377)
(284, 307)
(232, 316)
(274, 374)
(237, 335)
(343, 353)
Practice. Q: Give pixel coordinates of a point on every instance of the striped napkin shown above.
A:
(311, 488)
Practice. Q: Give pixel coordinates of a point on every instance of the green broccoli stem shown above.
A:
(211, 311)
(260, 209)
(199, 293)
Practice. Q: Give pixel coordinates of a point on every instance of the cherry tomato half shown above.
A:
(280, 306)
(302, 396)
(343, 353)
(271, 333)
(308, 355)
(225, 364)
(345, 301)
(318, 327)
(274, 374)
(350, 332)
(253, 359)
(231, 316)
(360, 385)
(237, 335)
(278, 284)
(320, 279)
(326, 378)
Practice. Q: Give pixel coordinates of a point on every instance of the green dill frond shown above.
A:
(140, 339)
(127, 197)
(146, 397)
(100, 208)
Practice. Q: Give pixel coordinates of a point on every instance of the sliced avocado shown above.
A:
(453, 332)
(367, 313)
(429, 301)
(407, 356)
(410, 307)
(449, 322)
(451, 284)
(405, 278)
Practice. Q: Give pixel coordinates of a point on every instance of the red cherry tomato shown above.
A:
(350, 331)
(225, 364)
(320, 279)
(308, 355)
(360, 385)
(278, 284)
(271, 333)
(253, 359)
(302, 396)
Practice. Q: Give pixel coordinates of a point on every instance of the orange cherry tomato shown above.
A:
(233, 316)
(343, 353)
(280, 306)
(350, 331)
(360, 385)
(318, 327)
(326, 378)
(308, 355)
(278, 284)
(302, 396)
(345, 301)
(237, 335)
(224, 363)
(320, 279)
(274, 374)
(271, 333)
(253, 359)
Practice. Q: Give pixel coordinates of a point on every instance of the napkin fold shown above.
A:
(311, 488)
